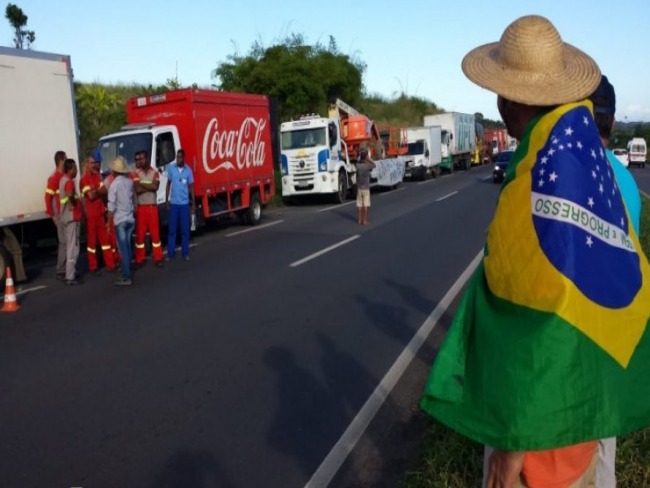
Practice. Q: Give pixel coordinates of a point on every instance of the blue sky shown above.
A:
(414, 46)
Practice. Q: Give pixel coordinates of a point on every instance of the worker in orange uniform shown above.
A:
(53, 209)
(146, 182)
(91, 183)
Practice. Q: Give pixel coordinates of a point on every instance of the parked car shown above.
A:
(501, 164)
(621, 154)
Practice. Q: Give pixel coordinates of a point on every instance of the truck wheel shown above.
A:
(339, 196)
(253, 214)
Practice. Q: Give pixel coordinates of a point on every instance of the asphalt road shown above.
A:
(244, 366)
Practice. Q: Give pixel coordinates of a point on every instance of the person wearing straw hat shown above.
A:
(532, 363)
(121, 205)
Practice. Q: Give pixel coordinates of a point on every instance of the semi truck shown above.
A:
(458, 138)
(318, 154)
(228, 144)
(424, 153)
(37, 118)
(495, 140)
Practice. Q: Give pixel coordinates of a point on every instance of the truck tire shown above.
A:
(341, 194)
(253, 214)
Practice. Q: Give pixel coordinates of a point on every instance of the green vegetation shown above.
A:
(449, 460)
(23, 39)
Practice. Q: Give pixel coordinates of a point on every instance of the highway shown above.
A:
(259, 363)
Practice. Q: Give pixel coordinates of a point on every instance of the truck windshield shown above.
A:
(297, 139)
(123, 145)
(415, 148)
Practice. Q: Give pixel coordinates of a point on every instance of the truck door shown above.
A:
(164, 150)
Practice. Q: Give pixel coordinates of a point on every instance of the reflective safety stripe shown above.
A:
(147, 182)
(91, 250)
(139, 246)
(101, 184)
(106, 248)
(85, 189)
(64, 200)
(156, 244)
(49, 192)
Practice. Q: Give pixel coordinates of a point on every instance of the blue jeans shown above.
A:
(179, 213)
(123, 234)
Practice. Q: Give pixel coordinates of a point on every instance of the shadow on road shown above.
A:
(192, 469)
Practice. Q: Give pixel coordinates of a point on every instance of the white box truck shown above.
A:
(458, 138)
(424, 155)
(37, 118)
(637, 151)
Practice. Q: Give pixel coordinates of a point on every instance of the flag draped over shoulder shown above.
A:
(550, 346)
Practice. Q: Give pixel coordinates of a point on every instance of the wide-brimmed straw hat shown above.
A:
(119, 165)
(532, 65)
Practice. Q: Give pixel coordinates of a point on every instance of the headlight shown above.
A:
(497, 167)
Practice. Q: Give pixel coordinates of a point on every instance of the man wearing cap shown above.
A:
(121, 205)
(146, 186)
(536, 362)
(91, 185)
(364, 168)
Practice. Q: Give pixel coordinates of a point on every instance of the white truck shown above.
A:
(637, 151)
(423, 155)
(458, 138)
(37, 118)
(318, 154)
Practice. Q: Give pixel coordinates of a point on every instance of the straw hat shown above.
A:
(532, 65)
(119, 165)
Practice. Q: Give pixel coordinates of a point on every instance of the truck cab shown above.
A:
(314, 158)
(161, 142)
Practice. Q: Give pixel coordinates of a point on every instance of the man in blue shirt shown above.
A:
(180, 202)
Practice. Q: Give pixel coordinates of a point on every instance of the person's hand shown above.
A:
(504, 468)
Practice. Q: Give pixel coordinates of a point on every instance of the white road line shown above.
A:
(446, 196)
(425, 181)
(26, 290)
(391, 192)
(645, 194)
(251, 229)
(333, 461)
(323, 251)
(488, 177)
(334, 207)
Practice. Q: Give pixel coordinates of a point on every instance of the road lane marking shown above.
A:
(251, 229)
(391, 192)
(333, 461)
(446, 196)
(323, 251)
(26, 290)
(326, 209)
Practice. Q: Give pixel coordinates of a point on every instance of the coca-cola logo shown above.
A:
(230, 149)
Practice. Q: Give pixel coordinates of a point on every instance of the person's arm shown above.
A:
(169, 184)
(112, 194)
(50, 194)
(504, 468)
(190, 185)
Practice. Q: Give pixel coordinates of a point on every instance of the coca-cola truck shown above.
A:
(37, 118)
(228, 143)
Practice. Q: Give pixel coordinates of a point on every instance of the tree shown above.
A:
(23, 39)
(304, 78)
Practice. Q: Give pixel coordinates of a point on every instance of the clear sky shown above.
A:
(414, 46)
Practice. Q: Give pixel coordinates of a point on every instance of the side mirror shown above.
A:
(426, 153)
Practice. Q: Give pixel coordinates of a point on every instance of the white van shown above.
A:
(636, 151)
(621, 155)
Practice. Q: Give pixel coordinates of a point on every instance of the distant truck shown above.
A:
(458, 138)
(37, 118)
(637, 152)
(319, 154)
(495, 140)
(424, 154)
(227, 138)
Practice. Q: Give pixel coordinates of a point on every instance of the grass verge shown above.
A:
(449, 460)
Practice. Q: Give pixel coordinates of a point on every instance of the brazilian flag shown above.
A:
(550, 346)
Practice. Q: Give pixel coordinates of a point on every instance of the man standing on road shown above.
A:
(545, 356)
(91, 185)
(146, 187)
(180, 202)
(71, 213)
(364, 167)
(53, 209)
(121, 204)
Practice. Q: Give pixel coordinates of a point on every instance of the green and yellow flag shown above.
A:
(550, 346)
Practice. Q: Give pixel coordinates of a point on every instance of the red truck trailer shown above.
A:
(228, 143)
(495, 140)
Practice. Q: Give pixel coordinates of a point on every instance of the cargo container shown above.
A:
(458, 138)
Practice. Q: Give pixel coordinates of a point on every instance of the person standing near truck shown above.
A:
(121, 202)
(146, 186)
(91, 183)
(53, 209)
(180, 202)
(71, 213)
(364, 166)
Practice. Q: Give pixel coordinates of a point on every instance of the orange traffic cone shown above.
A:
(10, 303)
